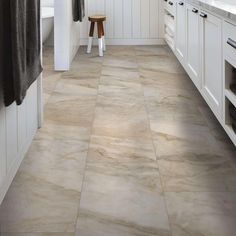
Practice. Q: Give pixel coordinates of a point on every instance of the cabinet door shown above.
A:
(212, 77)
(181, 30)
(193, 44)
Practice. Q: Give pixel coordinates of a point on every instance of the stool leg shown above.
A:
(100, 44)
(103, 38)
(90, 41)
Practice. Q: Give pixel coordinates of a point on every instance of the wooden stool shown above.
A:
(101, 39)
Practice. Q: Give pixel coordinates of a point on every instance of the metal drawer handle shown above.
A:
(165, 0)
(171, 3)
(203, 15)
(232, 43)
(195, 10)
(181, 3)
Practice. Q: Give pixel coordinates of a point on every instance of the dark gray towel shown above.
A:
(21, 47)
(78, 10)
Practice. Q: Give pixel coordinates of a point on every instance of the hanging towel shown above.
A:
(78, 10)
(21, 45)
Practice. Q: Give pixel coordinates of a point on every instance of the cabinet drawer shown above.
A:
(170, 6)
(230, 41)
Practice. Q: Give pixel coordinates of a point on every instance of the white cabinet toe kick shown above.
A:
(205, 44)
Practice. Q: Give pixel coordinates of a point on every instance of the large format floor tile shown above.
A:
(206, 213)
(128, 148)
(122, 193)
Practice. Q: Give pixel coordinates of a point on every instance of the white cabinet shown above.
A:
(211, 48)
(193, 44)
(181, 30)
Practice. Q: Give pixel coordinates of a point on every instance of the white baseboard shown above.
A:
(127, 41)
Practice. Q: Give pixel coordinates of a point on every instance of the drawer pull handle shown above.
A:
(165, 0)
(181, 3)
(195, 10)
(171, 3)
(203, 15)
(232, 43)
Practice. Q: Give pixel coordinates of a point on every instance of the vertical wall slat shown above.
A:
(136, 15)
(110, 18)
(154, 18)
(127, 22)
(118, 19)
(145, 18)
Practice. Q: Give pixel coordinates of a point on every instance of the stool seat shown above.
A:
(97, 18)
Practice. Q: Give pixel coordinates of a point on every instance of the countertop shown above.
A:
(223, 8)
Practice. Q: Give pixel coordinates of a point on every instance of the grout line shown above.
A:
(154, 149)
(89, 145)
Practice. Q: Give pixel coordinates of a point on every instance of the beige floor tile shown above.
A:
(35, 205)
(38, 234)
(153, 141)
(197, 173)
(206, 213)
(122, 190)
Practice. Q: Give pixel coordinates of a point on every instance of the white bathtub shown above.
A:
(48, 21)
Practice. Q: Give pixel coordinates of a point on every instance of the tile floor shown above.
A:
(128, 148)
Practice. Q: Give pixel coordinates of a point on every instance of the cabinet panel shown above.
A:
(193, 44)
(211, 42)
(181, 30)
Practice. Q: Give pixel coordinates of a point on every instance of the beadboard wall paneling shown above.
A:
(128, 21)
(18, 125)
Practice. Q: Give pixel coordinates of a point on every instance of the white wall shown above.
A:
(128, 21)
(66, 35)
(47, 3)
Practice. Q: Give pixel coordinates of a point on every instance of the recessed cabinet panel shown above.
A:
(181, 30)
(212, 81)
(193, 44)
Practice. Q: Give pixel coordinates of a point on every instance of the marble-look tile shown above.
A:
(165, 80)
(161, 63)
(122, 193)
(52, 131)
(35, 205)
(176, 109)
(72, 103)
(212, 122)
(125, 74)
(152, 50)
(60, 162)
(206, 213)
(185, 159)
(167, 94)
(45, 194)
(111, 86)
(120, 50)
(176, 138)
(208, 172)
(38, 234)
(120, 61)
(120, 117)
